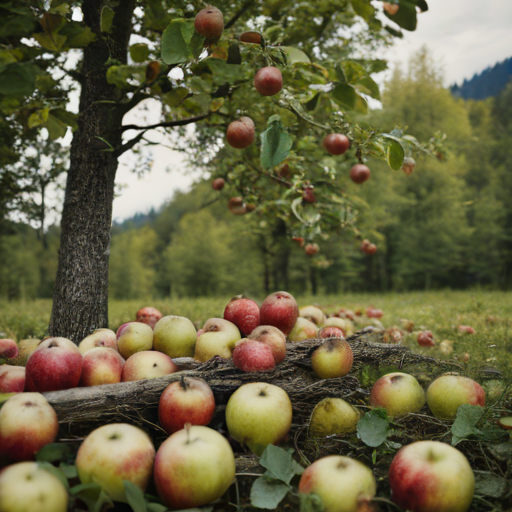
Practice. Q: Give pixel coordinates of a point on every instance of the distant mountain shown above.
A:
(489, 82)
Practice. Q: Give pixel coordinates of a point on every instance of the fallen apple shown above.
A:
(134, 337)
(175, 336)
(332, 359)
(244, 313)
(333, 416)
(218, 339)
(280, 310)
(303, 329)
(253, 356)
(273, 337)
(12, 379)
(148, 364)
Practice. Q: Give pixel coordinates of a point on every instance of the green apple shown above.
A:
(218, 339)
(175, 336)
(332, 359)
(303, 329)
(99, 338)
(259, 414)
(333, 416)
(134, 337)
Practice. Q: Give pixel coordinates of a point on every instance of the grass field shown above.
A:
(489, 313)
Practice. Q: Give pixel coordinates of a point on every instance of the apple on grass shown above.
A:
(101, 365)
(175, 336)
(8, 348)
(448, 392)
(244, 313)
(27, 423)
(343, 484)
(134, 337)
(313, 314)
(12, 379)
(193, 467)
(26, 348)
(280, 310)
(430, 476)
(148, 364)
(185, 401)
(272, 337)
(218, 339)
(55, 364)
(399, 393)
(26, 486)
(259, 414)
(253, 356)
(333, 416)
(346, 326)
(149, 316)
(332, 359)
(99, 338)
(113, 453)
(303, 329)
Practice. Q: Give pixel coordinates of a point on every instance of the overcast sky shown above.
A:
(466, 36)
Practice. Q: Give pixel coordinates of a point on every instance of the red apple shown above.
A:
(308, 195)
(12, 379)
(311, 249)
(272, 337)
(299, 240)
(55, 364)
(425, 339)
(465, 329)
(8, 348)
(101, 365)
(250, 37)
(27, 423)
(332, 359)
(237, 206)
(240, 134)
(268, 81)
(218, 183)
(148, 364)
(185, 401)
(374, 313)
(359, 173)
(209, 22)
(330, 332)
(244, 313)
(336, 143)
(430, 476)
(280, 310)
(149, 316)
(253, 356)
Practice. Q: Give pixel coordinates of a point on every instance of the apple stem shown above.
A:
(187, 430)
(184, 384)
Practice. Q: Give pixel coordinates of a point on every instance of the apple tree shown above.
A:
(120, 54)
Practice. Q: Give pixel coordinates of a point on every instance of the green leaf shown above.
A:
(178, 42)
(66, 117)
(53, 42)
(55, 472)
(56, 128)
(92, 495)
(134, 496)
(267, 492)
(465, 422)
(69, 470)
(54, 452)
(276, 144)
(363, 8)
(280, 463)
(345, 95)
(405, 17)
(196, 44)
(395, 153)
(18, 79)
(295, 55)
(487, 484)
(106, 19)
(340, 74)
(156, 507)
(370, 87)
(373, 428)
(78, 35)
(139, 52)
(361, 105)
(38, 117)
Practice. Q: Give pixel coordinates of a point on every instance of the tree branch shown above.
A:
(280, 180)
(129, 145)
(236, 17)
(167, 124)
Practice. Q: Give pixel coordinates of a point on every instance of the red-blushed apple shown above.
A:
(218, 184)
(55, 364)
(303, 330)
(27, 487)
(272, 337)
(359, 173)
(333, 416)
(399, 393)
(101, 365)
(99, 338)
(12, 379)
(430, 476)
(465, 329)
(408, 325)
(185, 401)
(26, 348)
(311, 249)
(308, 195)
(218, 339)
(336, 143)
(426, 339)
(175, 336)
(259, 414)
(313, 314)
(280, 310)
(113, 453)
(27, 423)
(134, 337)
(448, 392)
(237, 206)
(148, 364)
(343, 484)
(372, 312)
(332, 359)
(8, 348)
(251, 37)
(253, 356)
(344, 324)
(209, 22)
(149, 316)
(241, 133)
(193, 467)
(244, 313)
(330, 332)
(268, 81)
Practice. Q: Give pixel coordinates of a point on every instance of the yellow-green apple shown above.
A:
(332, 359)
(113, 453)
(448, 392)
(101, 365)
(148, 364)
(343, 484)
(303, 329)
(430, 476)
(272, 337)
(280, 310)
(193, 467)
(313, 314)
(26, 348)
(218, 339)
(399, 393)
(12, 379)
(185, 401)
(505, 422)
(27, 487)
(209, 22)
(99, 338)
(330, 332)
(149, 316)
(175, 336)
(8, 348)
(134, 337)
(27, 423)
(259, 414)
(55, 364)
(253, 356)
(244, 313)
(333, 416)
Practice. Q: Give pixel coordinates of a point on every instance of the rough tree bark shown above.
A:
(80, 300)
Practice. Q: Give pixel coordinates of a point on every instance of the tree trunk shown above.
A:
(80, 300)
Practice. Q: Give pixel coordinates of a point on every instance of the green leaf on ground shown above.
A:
(373, 428)
(276, 144)
(92, 495)
(280, 463)
(134, 496)
(465, 422)
(487, 484)
(55, 472)
(311, 502)
(53, 452)
(268, 492)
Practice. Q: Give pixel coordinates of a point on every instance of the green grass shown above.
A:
(489, 313)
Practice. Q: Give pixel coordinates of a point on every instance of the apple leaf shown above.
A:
(487, 484)
(106, 19)
(345, 96)
(156, 507)
(69, 470)
(405, 17)
(280, 463)
(134, 496)
(267, 492)
(373, 428)
(395, 153)
(55, 472)
(92, 495)
(139, 52)
(180, 42)
(465, 422)
(276, 143)
(54, 452)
